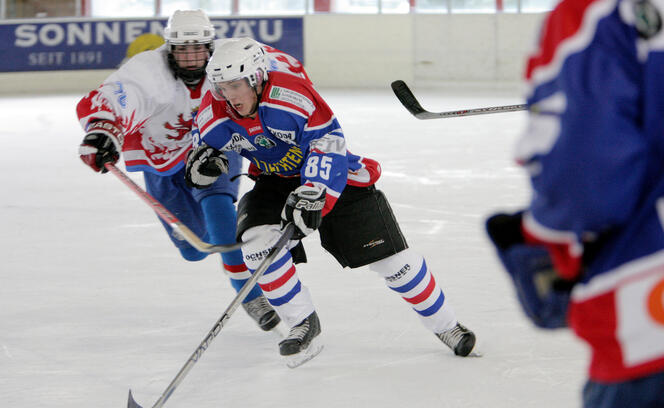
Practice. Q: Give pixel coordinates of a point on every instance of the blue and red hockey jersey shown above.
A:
(294, 134)
(594, 149)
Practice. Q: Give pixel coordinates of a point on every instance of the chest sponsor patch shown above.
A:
(287, 136)
(239, 143)
(289, 162)
(292, 97)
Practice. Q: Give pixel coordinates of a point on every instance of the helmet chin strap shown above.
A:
(258, 99)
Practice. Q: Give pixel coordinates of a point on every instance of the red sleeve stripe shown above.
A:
(330, 201)
(568, 28)
(545, 234)
(565, 250)
(308, 128)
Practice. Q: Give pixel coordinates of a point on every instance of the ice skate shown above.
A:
(260, 310)
(459, 339)
(301, 345)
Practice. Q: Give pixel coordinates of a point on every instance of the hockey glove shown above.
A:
(543, 295)
(304, 208)
(100, 145)
(204, 166)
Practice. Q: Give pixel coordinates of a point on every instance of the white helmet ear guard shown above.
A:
(238, 58)
(189, 26)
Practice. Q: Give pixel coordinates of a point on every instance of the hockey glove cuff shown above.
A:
(204, 166)
(100, 145)
(543, 295)
(304, 208)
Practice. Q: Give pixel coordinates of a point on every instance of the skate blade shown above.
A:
(294, 361)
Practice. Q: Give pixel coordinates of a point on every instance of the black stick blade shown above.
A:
(406, 97)
(131, 403)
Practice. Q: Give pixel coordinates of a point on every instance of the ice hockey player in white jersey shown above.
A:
(144, 111)
(305, 175)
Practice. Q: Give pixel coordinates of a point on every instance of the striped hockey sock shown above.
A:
(239, 275)
(285, 292)
(407, 274)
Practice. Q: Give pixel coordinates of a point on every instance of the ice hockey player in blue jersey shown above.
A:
(144, 110)
(305, 175)
(588, 251)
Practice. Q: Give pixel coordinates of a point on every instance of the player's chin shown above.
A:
(241, 109)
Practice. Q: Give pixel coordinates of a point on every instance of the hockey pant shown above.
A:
(405, 273)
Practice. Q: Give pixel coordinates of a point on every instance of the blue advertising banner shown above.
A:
(75, 43)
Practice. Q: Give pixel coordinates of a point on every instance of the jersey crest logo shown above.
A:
(264, 142)
(181, 128)
(648, 21)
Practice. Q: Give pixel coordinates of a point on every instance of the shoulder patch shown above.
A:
(288, 95)
(204, 116)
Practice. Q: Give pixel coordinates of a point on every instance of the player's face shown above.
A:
(240, 95)
(190, 56)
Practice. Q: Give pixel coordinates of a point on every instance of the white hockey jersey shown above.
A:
(155, 109)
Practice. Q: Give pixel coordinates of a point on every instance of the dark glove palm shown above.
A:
(304, 208)
(98, 149)
(543, 295)
(204, 166)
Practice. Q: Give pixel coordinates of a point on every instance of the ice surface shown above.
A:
(94, 299)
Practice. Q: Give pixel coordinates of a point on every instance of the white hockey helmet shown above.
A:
(238, 58)
(189, 26)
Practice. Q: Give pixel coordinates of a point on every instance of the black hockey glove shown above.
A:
(304, 208)
(204, 166)
(100, 145)
(543, 295)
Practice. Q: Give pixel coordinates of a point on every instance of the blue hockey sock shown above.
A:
(220, 221)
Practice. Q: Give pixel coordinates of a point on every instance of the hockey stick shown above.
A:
(169, 218)
(193, 359)
(408, 100)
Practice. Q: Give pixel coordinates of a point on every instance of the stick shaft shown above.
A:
(168, 217)
(193, 359)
